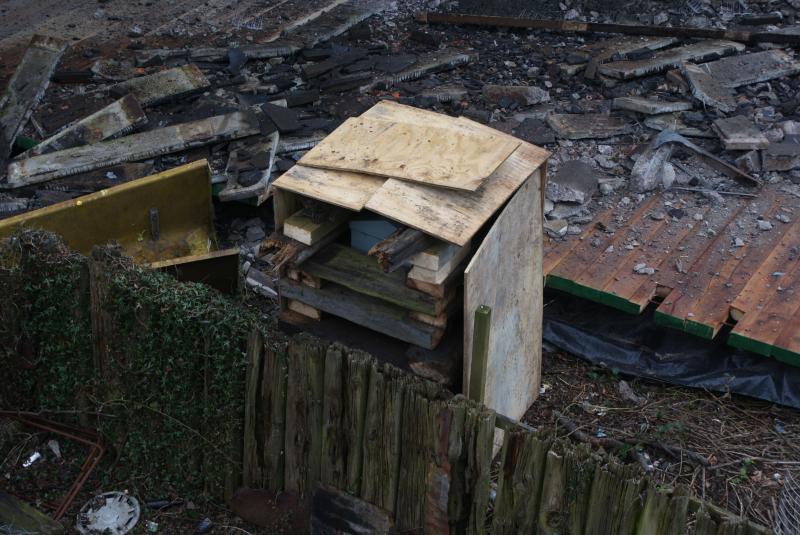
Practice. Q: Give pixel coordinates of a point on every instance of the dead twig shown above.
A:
(605, 442)
(673, 451)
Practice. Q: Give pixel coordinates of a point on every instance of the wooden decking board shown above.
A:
(582, 257)
(787, 346)
(717, 280)
(712, 270)
(714, 306)
(555, 249)
(620, 261)
(762, 282)
(694, 245)
(760, 328)
(658, 253)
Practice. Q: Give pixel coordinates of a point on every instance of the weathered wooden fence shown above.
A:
(323, 414)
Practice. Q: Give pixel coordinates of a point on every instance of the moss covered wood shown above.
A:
(171, 399)
(274, 381)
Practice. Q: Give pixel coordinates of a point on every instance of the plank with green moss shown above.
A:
(354, 270)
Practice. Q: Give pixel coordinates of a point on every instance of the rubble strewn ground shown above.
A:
(598, 160)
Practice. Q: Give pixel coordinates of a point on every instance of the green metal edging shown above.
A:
(749, 344)
(585, 292)
(784, 355)
(685, 325)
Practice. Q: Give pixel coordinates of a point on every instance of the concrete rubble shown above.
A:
(253, 101)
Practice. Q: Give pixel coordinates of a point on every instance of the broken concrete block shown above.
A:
(707, 89)
(588, 125)
(649, 170)
(535, 131)
(521, 94)
(750, 162)
(752, 68)
(781, 157)
(668, 59)
(557, 228)
(649, 106)
(575, 182)
(739, 133)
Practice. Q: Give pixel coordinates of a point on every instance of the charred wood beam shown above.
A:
(399, 247)
(592, 27)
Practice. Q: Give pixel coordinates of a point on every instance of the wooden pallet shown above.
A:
(702, 280)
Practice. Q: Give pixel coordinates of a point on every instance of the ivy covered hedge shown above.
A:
(162, 377)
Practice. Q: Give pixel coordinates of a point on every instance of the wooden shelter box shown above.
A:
(466, 197)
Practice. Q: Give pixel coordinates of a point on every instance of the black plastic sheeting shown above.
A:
(635, 345)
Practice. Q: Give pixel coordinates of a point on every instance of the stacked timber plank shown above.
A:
(381, 217)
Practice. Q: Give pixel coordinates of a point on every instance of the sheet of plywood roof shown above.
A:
(454, 216)
(445, 157)
(341, 188)
(511, 253)
(451, 215)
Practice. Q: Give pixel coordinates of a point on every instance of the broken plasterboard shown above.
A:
(739, 133)
(707, 89)
(589, 125)
(445, 157)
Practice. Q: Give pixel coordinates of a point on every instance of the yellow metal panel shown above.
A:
(181, 195)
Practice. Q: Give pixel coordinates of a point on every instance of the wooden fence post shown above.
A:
(357, 368)
(332, 468)
(251, 465)
(382, 436)
(274, 381)
(303, 448)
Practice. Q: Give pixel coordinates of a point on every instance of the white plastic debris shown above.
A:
(35, 456)
(111, 512)
(55, 448)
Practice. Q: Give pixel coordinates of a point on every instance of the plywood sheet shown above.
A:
(511, 253)
(341, 188)
(455, 216)
(431, 155)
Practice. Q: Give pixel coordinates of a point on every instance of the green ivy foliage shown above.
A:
(168, 394)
